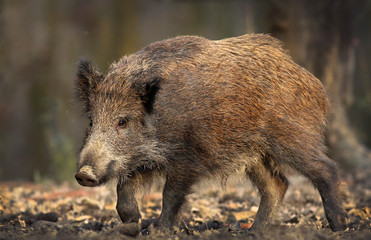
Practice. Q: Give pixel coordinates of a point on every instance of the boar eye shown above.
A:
(122, 123)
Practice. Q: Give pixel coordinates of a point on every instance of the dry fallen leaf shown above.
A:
(361, 213)
(244, 215)
(245, 226)
(82, 218)
(88, 203)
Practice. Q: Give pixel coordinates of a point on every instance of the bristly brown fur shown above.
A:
(191, 108)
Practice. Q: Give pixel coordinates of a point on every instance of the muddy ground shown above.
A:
(68, 211)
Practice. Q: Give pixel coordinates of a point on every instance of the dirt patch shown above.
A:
(45, 211)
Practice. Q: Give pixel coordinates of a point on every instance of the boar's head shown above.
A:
(119, 141)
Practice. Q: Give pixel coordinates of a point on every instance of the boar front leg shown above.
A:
(177, 187)
(127, 206)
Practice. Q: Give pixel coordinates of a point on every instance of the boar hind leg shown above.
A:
(324, 175)
(272, 186)
(127, 206)
(176, 188)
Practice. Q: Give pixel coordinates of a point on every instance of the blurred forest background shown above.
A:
(41, 41)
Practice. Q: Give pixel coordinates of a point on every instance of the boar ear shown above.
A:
(87, 78)
(147, 91)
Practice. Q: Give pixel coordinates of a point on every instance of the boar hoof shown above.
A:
(164, 224)
(128, 215)
(339, 224)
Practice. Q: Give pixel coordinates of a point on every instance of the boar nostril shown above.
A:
(86, 179)
(79, 179)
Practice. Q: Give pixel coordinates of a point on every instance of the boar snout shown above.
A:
(86, 177)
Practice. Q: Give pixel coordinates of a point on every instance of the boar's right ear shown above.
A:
(147, 90)
(87, 78)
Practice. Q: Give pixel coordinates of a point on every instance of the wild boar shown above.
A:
(188, 108)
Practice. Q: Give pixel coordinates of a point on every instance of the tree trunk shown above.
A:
(319, 35)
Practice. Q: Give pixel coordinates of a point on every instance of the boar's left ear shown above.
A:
(147, 91)
(87, 78)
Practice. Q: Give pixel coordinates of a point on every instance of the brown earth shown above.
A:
(68, 211)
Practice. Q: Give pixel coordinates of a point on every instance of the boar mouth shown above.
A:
(110, 171)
